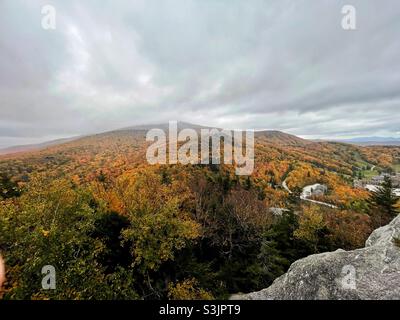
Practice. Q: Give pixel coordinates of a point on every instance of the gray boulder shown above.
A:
(370, 273)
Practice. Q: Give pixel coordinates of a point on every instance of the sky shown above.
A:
(278, 64)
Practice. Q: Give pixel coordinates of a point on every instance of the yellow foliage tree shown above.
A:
(188, 290)
(159, 227)
(311, 222)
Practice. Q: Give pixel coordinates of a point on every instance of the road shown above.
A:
(319, 202)
(285, 186)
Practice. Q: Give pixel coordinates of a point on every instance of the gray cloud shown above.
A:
(276, 64)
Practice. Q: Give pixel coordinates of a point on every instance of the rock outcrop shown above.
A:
(370, 273)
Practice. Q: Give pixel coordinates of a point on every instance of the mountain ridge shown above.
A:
(370, 141)
(35, 146)
(273, 136)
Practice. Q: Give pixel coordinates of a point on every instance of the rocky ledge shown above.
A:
(370, 273)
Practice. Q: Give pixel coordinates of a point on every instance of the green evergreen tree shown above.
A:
(383, 203)
(8, 188)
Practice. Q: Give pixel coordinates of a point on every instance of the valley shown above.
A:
(176, 231)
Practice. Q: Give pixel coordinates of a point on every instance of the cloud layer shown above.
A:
(278, 64)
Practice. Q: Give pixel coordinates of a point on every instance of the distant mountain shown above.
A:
(281, 138)
(124, 149)
(269, 136)
(138, 128)
(274, 138)
(369, 141)
(35, 147)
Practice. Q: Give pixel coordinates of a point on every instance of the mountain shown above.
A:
(35, 147)
(138, 128)
(125, 148)
(369, 141)
(103, 188)
(275, 137)
(282, 138)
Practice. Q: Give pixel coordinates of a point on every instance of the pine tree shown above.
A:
(8, 188)
(383, 203)
(101, 177)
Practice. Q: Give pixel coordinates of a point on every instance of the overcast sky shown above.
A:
(285, 65)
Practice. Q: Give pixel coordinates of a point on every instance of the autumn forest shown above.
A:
(115, 227)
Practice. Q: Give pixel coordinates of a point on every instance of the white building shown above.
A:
(314, 190)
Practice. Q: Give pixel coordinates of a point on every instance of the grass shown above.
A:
(396, 167)
(369, 174)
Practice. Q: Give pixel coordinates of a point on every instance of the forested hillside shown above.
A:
(116, 227)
